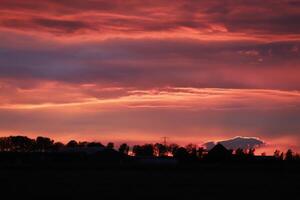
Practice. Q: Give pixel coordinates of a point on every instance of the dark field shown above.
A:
(210, 181)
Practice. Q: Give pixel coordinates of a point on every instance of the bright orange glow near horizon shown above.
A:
(194, 71)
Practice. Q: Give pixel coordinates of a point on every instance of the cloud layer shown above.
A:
(156, 63)
(250, 19)
(138, 70)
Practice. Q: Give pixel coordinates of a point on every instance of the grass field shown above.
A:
(209, 181)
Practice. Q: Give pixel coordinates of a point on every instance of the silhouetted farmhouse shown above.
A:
(219, 152)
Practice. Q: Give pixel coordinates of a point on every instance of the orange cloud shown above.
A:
(55, 94)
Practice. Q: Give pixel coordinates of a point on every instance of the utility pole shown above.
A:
(165, 140)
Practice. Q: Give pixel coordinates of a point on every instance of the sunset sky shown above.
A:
(138, 70)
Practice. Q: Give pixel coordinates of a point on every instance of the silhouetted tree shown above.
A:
(281, 156)
(160, 149)
(57, 146)
(5, 144)
(192, 149)
(181, 154)
(124, 148)
(200, 152)
(21, 144)
(251, 152)
(72, 144)
(136, 149)
(172, 148)
(95, 144)
(289, 155)
(240, 152)
(43, 144)
(82, 144)
(278, 155)
(110, 145)
(145, 150)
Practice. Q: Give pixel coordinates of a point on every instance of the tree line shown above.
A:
(45, 144)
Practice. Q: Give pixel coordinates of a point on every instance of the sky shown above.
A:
(135, 71)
